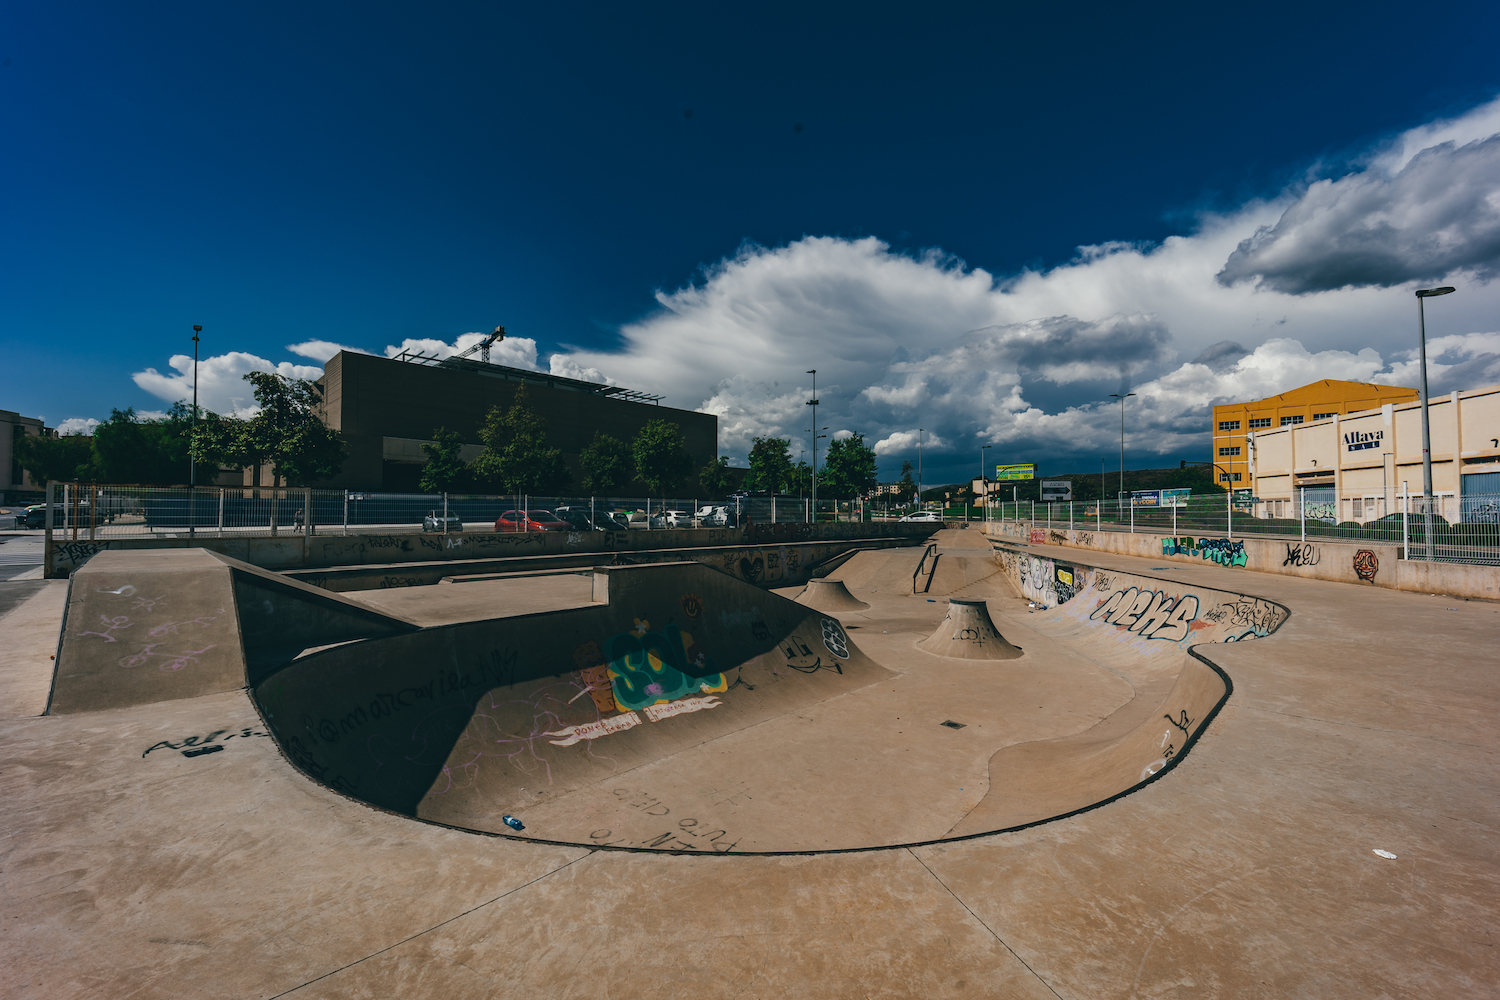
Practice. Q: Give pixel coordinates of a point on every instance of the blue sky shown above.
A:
(971, 219)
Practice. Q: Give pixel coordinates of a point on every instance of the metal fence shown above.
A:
(1442, 529)
(89, 511)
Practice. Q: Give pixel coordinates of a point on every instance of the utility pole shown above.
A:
(814, 404)
(1422, 294)
(919, 468)
(1121, 398)
(193, 440)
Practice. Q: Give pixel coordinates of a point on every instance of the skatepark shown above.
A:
(969, 767)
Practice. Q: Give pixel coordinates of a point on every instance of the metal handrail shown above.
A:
(932, 551)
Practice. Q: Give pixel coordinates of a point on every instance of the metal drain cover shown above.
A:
(952, 725)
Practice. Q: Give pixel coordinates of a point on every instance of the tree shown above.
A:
(770, 465)
(445, 469)
(715, 478)
(606, 465)
(70, 457)
(661, 461)
(849, 470)
(516, 456)
(799, 480)
(908, 486)
(287, 433)
(128, 449)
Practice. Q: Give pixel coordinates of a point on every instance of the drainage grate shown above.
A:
(952, 725)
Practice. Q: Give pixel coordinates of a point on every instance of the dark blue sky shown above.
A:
(364, 173)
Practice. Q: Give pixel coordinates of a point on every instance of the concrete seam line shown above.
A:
(429, 930)
(986, 926)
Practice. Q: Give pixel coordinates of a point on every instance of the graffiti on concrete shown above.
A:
(1057, 538)
(1366, 565)
(834, 639)
(195, 746)
(1046, 582)
(1150, 614)
(1038, 536)
(1219, 550)
(1248, 612)
(67, 556)
(1083, 537)
(649, 668)
(1305, 554)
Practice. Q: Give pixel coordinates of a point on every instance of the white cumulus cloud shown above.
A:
(221, 380)
(77, 425)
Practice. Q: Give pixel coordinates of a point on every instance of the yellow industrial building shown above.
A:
(1233, 422)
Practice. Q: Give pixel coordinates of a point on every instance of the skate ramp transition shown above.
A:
(453, 722)
(151, 625)
(830, 597)
(967, 632)
(1147, 627)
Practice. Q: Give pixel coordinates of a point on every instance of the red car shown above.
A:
(531, 520)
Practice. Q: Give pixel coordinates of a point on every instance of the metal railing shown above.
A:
(1462, 529)
(92, 511)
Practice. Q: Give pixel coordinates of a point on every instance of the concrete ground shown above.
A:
(1366, 722)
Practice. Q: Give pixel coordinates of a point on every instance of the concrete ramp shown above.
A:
(464, 723)
(149, 625)
(830, 597)
(968, 633)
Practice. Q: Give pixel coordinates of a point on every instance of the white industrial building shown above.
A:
(1365, 462)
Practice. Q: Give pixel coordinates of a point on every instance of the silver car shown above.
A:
(434, 521)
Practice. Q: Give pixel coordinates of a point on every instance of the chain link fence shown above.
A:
(90, 511)
(1443, 529)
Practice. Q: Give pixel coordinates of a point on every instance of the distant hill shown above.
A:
(1086, 485)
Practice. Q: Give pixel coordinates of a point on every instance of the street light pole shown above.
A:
(1427, 293)
(814, 404)
(919, 468)
(985, 507)
(192, 441)
(1121, 398)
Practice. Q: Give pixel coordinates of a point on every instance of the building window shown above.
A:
(1234, 450)
(1260, 422)
(1235, 476)
(1289, 421)
(1229, 425)
(1223, 477)
(1323, 416)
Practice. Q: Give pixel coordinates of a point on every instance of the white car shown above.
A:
(924, 516)
(679, 518)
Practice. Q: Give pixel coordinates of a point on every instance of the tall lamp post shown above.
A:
(814, 404)
(984, 502)
(919, 468)
(1121, 397)
(1426, 293)
(192, 441)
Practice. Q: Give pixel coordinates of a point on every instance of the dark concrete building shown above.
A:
(386, 409)
(16, 480)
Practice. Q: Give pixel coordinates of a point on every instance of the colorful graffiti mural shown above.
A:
(651, 668)
(1220, 550)
(1366, 564)
(1151, 614)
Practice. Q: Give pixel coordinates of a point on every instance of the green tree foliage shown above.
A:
(70, 457)
(908, 485)
(770, 465)
(661, 461)
(444, 470)
(849, 470)
(516, 456)
(715, 478)
(606, 463)
(288, 433)
(128, 449)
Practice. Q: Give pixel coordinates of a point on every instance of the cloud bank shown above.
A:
(1313, 284)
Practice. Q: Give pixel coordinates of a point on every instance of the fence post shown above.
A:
(221, 512)
(47, 534)
(346, 513)
(1405, 535)
(1174, 517)
(1229, 517)
(275, 502)
(94, 511)
(307, 514)
(1302, 510)
(192, 512)
(592, 521)
(1132, 517)
(445, 512)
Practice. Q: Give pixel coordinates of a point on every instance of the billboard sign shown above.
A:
(1006, 472)
(1057, 489)
(1160, 498)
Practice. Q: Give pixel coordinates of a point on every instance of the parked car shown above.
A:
(531, 520)
(715, 517)
(434, 520)
(923, 516)
(580, 518)
(679, 519)
(614, 520)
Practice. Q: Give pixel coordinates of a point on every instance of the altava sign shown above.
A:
(1363, 440)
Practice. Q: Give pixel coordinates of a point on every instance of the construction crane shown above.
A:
(483, 347)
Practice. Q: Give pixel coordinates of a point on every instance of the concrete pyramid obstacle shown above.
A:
(967, 633)
(829, 597)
